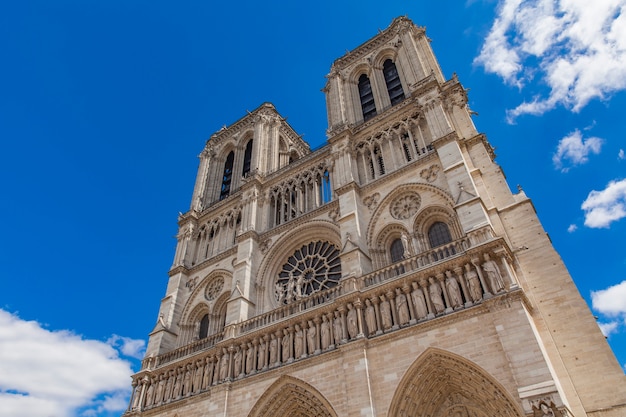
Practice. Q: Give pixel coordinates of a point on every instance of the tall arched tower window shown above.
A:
(367, 97)
(396, 251)
(247, 159)
(392, 79)
(204, 327)
(228, 175)
(439, 234)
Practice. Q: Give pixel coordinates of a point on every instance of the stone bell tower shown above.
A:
(391, 272)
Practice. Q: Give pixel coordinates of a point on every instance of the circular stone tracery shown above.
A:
(213, 288)
(314, 267)
(405, 206)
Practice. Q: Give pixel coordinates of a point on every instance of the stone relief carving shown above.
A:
(545, 407)
(405, 206)
(265, 246)
(334, 214)
(191, 284)
(371, 201)
(430, 174)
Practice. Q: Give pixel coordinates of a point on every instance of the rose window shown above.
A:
(405, 206)
(214, 288)
(312, 268)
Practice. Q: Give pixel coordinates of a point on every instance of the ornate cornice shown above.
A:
(398, 25)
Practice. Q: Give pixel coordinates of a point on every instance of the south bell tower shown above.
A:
(388, 273)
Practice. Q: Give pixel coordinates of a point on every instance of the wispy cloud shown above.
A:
(621, 155)
(577, 48)
(611, 303)
(606, 206)
(572, 228)
(134, 348)
(55, 373)
(573, 150)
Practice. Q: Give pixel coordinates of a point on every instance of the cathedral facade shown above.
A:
(391, 272)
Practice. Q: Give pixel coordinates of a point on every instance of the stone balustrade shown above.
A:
(363, 307)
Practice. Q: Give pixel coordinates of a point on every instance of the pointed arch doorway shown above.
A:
(442, 384)
(292, 397)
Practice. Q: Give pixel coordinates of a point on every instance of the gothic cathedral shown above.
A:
(389, 273)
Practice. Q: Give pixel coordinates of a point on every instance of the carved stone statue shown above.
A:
(249, 358)
(178, 383)
(403, 308)
(273, 350)
(353, 328)
(237, 362)
(299, 341)
(434, 290)
(279, 292)
(286, 342)
(310, 337)
(385, 313)
(262, 354)
(187, 381)
(493, 274)
(291, 285)
(208, 373)
(473, 283)
(197, 376)
(453, 290)
(405, 245)
(137, 396)
(299, 286)
(169, 386)
(325, 332)
(417, 296)
(370, 317)
(150, 392)
(338, 328)
(160, 389)
(224, 365)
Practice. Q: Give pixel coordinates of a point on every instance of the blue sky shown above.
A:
(104, 107)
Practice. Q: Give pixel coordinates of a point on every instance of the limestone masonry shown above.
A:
(390, 273)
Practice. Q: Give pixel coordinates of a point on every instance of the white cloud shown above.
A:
(575, 47)
(47, 373)
(133, 348)
(621, 155)
(609, 328)
(575, 149)
(610, 301)
(606, 206)
(572, 228)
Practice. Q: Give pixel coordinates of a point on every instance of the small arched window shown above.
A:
(368, 107)
(247, 159)
(227, 177)
(439, 234)
(396, 251)
(392, 79)
(204, 327)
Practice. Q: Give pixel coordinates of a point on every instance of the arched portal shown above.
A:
(292, 397)
(442, 384)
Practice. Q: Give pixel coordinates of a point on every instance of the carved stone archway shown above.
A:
(292, 397)
(442, 384)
